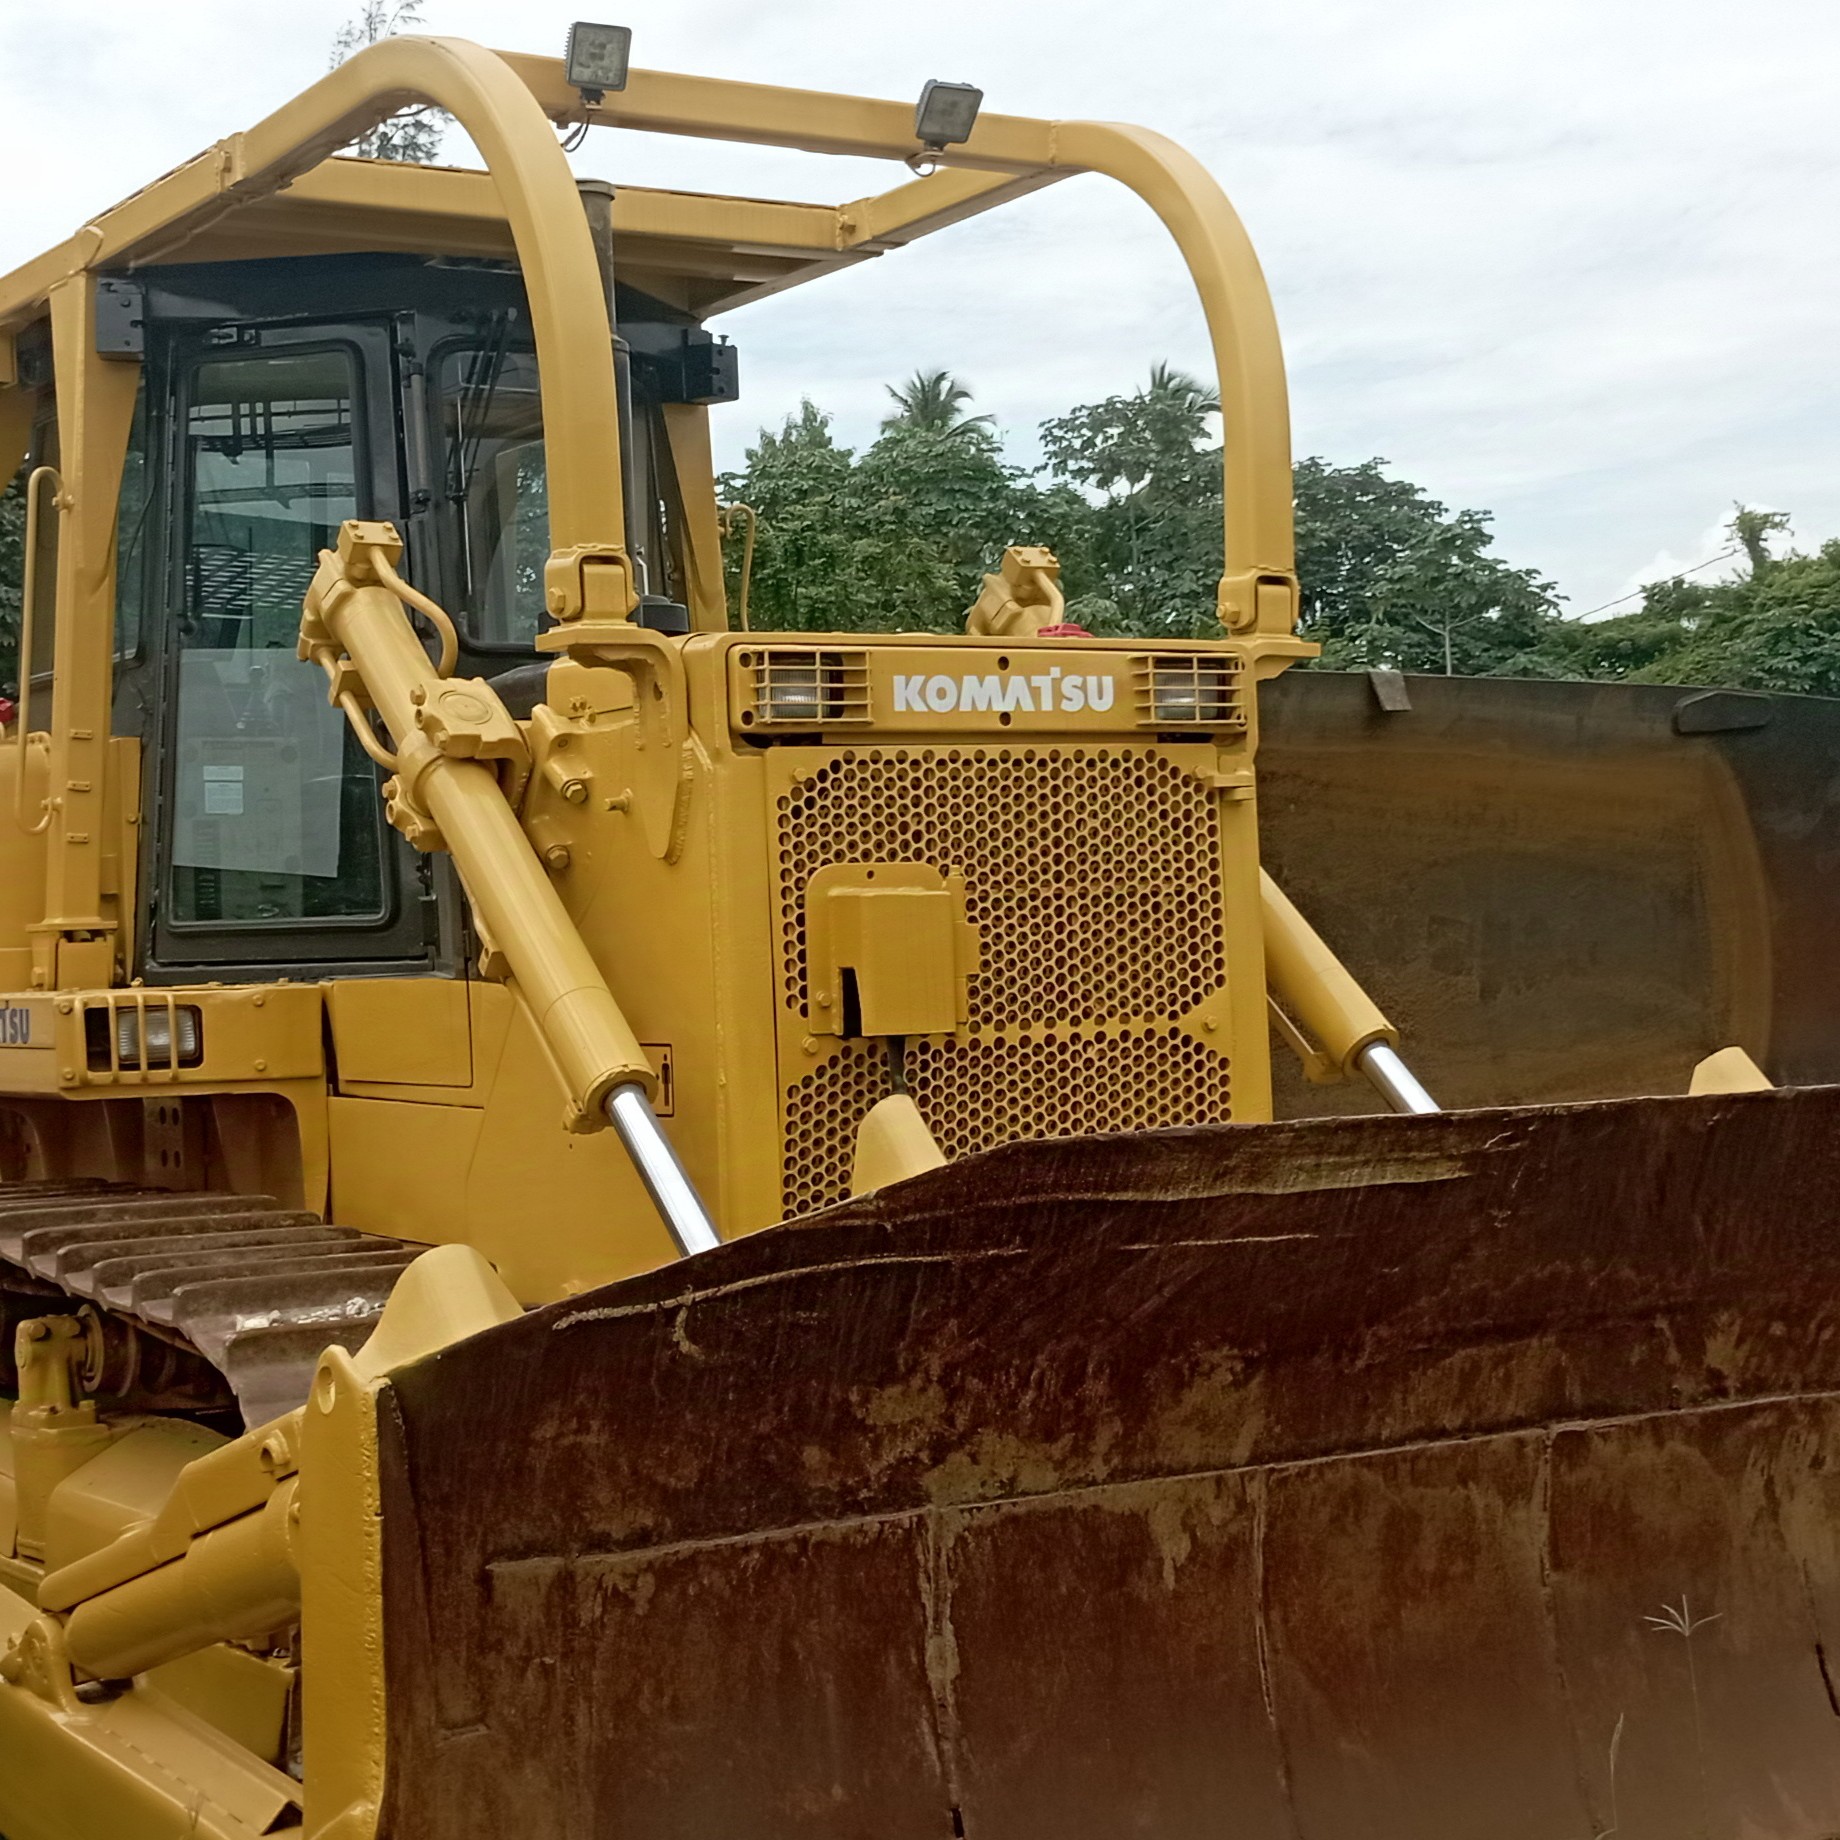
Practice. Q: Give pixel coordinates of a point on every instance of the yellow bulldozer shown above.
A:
(615, 1225)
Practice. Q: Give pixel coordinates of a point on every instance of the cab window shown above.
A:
(275, 808)
(495, 490)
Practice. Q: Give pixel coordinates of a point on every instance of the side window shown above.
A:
(131, 532)
(496, 492)
(275, 815)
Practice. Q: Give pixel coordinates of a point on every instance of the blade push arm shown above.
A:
(1314, 1000)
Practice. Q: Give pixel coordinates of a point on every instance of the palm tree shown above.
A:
(1180, 390)
(931, 401)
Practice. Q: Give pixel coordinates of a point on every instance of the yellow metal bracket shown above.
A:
(661, 707)
(589, 582)
(28, 606)
(1021, 598)
(891, 951)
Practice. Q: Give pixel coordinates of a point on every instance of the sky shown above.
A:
(1566, 261)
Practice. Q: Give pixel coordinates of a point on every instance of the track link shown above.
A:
(257, 1290)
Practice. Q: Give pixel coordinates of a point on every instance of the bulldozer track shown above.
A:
(256, 1290)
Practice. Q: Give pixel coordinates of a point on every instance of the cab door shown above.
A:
(272, 856)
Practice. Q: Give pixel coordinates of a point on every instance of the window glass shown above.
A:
(496, 490)
(131, 531)
(276, 814)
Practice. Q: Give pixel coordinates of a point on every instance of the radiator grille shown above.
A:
(1094, 877)
(994, 1090)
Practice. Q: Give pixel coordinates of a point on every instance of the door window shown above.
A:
(275, 810)
(496, 490)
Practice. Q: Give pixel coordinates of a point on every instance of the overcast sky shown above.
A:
(1571, 261)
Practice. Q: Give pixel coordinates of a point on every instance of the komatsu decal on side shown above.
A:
(1041, 692)
(16, 1028)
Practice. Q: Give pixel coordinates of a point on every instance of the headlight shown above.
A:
(946, 114)
(1192, 690)
(161, 1024)
(597, 57)
(803, 687)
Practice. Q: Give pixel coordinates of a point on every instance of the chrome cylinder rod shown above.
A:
(685, 1218)
(1394, 1080)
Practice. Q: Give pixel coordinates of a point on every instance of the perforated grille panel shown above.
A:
(1093, 875)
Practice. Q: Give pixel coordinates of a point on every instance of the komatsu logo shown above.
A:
(1038, 692)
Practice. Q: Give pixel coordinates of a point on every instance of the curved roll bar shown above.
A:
(509, 104)
(568, 307)
(1259, 587)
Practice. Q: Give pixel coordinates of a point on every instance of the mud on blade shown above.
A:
(1384, 1477)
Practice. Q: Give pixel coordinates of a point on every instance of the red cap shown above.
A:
(8, 710)
(1066, 630)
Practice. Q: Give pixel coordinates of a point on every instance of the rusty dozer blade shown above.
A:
(1469, 1475)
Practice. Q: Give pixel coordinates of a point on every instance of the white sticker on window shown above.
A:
(223, 792)
(260, 772)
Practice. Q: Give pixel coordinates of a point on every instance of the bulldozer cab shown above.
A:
(278, 398)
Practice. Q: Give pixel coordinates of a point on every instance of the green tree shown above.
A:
(1775, 628)
(1391, 577)
(1752, 530)
(895, 539)
(412, 135)
(932, 402)
(1154, 532)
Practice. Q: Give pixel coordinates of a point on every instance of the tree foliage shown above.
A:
(1150, 480)
(1775, 628)
(411, 135)
(1129, 498)
(1391, 577)
(896, 538)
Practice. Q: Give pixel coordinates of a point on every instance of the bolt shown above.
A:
(575, 791)
(68, 1075)
(64, 1006)
(261, 1066)
(274, 1453)
(557, 856)
(258, 1000)
(418, 696)
(621, 801)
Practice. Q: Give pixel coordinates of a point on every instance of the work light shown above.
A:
(947, 113)
(597, 57)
